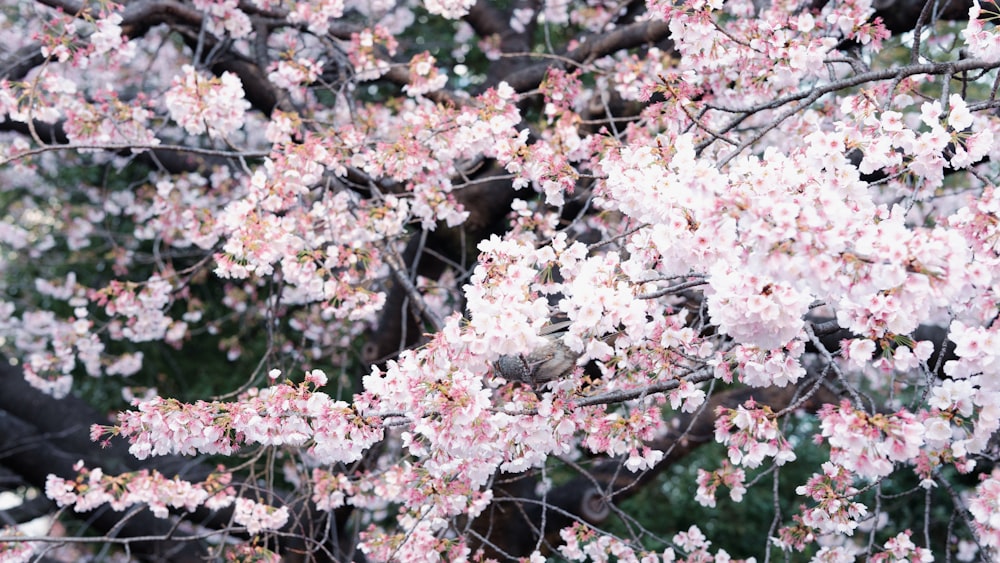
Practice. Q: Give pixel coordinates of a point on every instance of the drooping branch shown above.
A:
(40, 435)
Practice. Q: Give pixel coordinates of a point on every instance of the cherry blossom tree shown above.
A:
(458, 280)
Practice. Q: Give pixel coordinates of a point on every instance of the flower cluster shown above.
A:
(709, 482)
(901, 548)
(835, 511)
(295, 75)
(451, 9)
(363, 54)
(216, 105)
(92, 488)
(330, 490)
(224, 17)
(759, 368)
(867, 445)
(985, 509)
(14, 551)
(258, 517)
(756, 311)
(110, 121)
(108, 37)
(317, 14)
(424, 76)
(751, 434)
(982, 43)
(282, 414)
(505, 308)
(586, 544)
(139, 310)
(617, 436)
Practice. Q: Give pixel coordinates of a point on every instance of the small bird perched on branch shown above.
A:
(552, 361)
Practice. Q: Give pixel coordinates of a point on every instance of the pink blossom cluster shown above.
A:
(636, 77)
(751, 435)
(451, 9)
(424, 76)
(14, 236)
(884, 278)
(108, 38)
(140, 311)
(837, 554)
(109, 121)
(459, 438)
(505, 308)
(54, 347)
(47, 95)
(983, 42)
(182, 211)
(431, 501)
(727, 475)
(316, 14)
(93, 488)
(835, 510)
(867, 445)
(976, 348)
(599, 302)
(363, 52)
(901, 548)
(759, 368)
(490, 127)
(687, 396)
(105, 45)
(224, 17)
(216, 105)
(294, 75)
(976, 222)
(452, 426)
(985, 509)
(792, 51)
(561, 90)
(330, 490)
(952, 433)
(258, 517)
(890, 142)
(421, 544)
(57, 38)
(583, 543)
(757, 311)
(14, 551)
(621, 436)
(283, 414)
(324, 252)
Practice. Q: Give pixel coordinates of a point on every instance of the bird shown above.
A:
(552, 361)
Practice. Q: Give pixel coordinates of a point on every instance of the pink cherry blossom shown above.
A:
(201, 104)
(258, 517)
